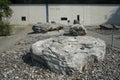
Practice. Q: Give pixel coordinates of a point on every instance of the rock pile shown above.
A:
(67, 55)
(45, 27)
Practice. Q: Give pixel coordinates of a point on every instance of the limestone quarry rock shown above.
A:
(77, 30)
(45, 27)
(66, 55)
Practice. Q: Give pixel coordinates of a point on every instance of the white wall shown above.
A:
(33, 13)
(69, 11)
(89, 14)
(104, 14)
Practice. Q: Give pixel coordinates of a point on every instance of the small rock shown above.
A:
(16, 77)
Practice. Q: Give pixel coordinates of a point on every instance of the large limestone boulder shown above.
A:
(77, 30)
(45, 27)
(66, 55)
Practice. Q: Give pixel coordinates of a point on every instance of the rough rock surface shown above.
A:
(68, 55)
(77, 30)
(45, 27)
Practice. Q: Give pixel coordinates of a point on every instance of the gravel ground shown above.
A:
(16, 64)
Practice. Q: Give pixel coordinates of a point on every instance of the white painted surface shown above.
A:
(89, 14)
(71, 12)
(33, 13)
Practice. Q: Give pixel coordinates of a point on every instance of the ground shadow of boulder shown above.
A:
(28, 60)
(35, 33)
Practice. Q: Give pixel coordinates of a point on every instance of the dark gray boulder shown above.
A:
(40, 28)
(45, 27)
(77, 30)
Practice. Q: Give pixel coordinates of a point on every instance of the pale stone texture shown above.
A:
(67, 55)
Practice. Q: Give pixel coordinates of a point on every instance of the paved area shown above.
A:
(106, 38)
(8, 42)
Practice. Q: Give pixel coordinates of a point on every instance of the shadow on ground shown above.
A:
(28, 60)
(32, 33)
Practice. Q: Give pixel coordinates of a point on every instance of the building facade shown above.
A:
(87, 14)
